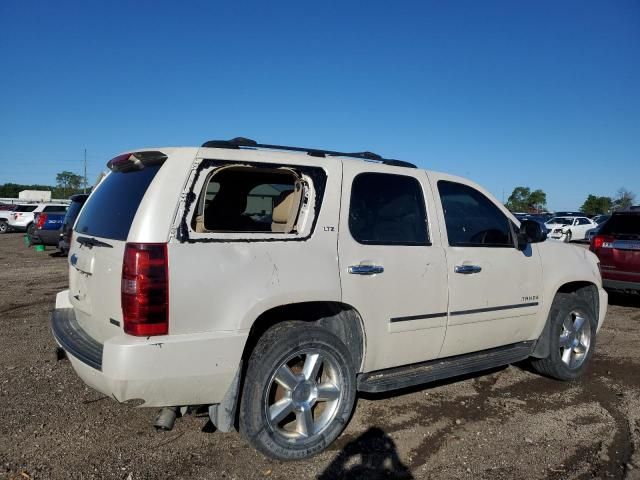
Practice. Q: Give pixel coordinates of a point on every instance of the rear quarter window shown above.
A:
(110, 210)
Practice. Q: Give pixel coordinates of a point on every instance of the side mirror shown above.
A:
(531, 232)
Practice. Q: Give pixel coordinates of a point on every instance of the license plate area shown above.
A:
(79, 290)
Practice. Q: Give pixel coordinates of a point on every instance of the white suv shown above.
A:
(7, 212)
(272, 283)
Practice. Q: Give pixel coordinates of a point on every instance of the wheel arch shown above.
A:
(586, 290)
(341, 319)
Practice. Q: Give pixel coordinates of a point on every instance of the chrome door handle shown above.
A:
(366, 269)
(467, 269)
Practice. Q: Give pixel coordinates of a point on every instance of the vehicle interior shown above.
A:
(249, 199)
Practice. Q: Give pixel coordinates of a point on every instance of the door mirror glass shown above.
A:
(531, 232)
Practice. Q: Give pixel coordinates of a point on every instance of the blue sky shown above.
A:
(544, 94)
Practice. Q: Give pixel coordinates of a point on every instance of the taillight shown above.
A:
(145, 289)
(601, 241)
(42, 219)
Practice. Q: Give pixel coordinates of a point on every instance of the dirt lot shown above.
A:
(508, 423)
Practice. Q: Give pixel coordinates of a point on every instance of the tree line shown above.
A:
(67, 184)
(523, 199)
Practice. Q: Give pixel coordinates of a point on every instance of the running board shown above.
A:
(419, 373)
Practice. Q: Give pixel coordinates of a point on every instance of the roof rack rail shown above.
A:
(241, 142)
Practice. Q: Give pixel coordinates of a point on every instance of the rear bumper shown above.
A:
(620, 285)
(46, 237)
(167, 370)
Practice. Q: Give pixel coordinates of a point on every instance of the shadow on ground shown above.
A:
(624, 300)
(371, 456)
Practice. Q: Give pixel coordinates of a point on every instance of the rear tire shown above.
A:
(298, 393)
(30, 230)
(4, 226)
(573, 327)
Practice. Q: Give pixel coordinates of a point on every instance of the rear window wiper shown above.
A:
(92, 242)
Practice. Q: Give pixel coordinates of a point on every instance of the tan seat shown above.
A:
(200, 224)
(286, 209)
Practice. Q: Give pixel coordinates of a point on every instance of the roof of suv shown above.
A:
(246, 143)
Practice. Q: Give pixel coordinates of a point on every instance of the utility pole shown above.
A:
(84, 190)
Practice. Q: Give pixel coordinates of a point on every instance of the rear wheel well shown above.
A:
(340, 319)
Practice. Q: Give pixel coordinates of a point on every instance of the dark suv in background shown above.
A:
(617, 245)
(77, 201)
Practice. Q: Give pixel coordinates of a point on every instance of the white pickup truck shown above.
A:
(273, 283)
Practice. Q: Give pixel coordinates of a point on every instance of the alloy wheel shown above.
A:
(575, 339)
(303, 395)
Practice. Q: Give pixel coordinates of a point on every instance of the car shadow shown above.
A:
(372, 455)
(624, 300)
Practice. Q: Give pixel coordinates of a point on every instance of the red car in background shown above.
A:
(617, 245)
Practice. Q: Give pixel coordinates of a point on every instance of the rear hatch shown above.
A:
(98, 243)
(617, 244)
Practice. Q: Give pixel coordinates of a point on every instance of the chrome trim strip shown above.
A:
(493, 309)
(418, 317)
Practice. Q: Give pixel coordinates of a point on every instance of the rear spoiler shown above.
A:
(128, 162)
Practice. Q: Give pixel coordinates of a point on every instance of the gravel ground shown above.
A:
(507, 423)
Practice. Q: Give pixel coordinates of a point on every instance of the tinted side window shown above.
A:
(26, 208)
(387, 210)
(472, 219)
(110, 209)
(55, 209)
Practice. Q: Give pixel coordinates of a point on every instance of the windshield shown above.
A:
(74, 210)
(623, 224)
(561, 220)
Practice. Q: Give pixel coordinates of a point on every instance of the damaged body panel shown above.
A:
(268, 284)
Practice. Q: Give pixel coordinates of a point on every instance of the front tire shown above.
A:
(567, 237)
(4, 226)
(573, 327)
(299, 391)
